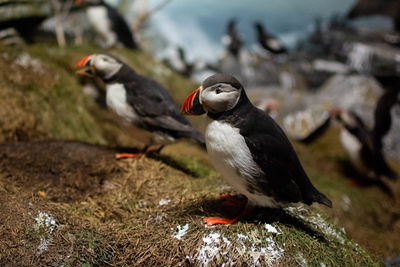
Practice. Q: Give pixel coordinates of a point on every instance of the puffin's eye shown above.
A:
(218, 90)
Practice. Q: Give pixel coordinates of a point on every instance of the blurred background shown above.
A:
(327, 71)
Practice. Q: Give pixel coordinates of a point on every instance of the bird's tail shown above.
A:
(321, 198)
(390, 173)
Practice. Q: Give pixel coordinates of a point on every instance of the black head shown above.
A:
(231, 23)
(259, 26)
(104, 66)
(218, 93)
(221, 78)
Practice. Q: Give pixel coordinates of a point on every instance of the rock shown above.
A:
(10, 36)
(372, 58)
(24, 16)
(355, 92)
(305, 125)
(360, 94)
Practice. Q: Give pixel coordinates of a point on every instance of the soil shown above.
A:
(63, 171)
(41, 176)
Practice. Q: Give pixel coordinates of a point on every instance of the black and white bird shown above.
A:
(109, 24)
(248, 148)
(179, 63)
(268, 41)
(364, 146)
(232, 38)
(141, 103)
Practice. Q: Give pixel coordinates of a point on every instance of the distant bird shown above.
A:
(270, 106)
(268, 41)
(188, 67)
(390, 8)
(232, 38)
(141, 103)
(383, 118)
(364, 146)
(109, 24)
(248, 148)
(180, 64)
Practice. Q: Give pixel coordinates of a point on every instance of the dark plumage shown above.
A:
(116, 22)
(140, 102)
(282, 176)
(268, 41)
(248, 147)
(155, 105)
(233, 39)
(383, 118)
(120, 27)
(366, 146)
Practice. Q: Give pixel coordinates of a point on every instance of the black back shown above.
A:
(282, 176)
(263, 39)
(371, 146)
(120, 27)
(235, 40)
(383, 118)
(155, 105)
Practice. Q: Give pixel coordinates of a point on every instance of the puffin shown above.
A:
(249, 149)
(383, 118)
(232, 38)
(268, 41)
(180, 64)
(364, 146)
(109, 24)
(142, 104)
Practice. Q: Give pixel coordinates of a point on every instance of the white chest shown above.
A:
(232, 159)
(352, 146)
(99, 19)
(229, 154)
(116, 101)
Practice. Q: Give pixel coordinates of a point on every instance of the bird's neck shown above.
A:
(231, 115)
(124, 75)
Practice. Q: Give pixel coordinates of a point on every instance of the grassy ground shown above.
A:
(70, 202)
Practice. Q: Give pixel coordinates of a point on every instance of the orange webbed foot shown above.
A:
(219, 220)
(127, 155)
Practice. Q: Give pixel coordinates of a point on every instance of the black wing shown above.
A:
(157, 108)
(284, 177)
(121, 28)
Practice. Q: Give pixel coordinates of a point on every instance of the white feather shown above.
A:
(274, 44)
(116, 101)
(99, 19)
(232, 158)
(352, 146)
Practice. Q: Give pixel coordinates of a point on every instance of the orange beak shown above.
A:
(84, 62)
(192, 105)
(88, 68)
(78, 2)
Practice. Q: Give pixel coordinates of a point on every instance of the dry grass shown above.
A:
(127, 212)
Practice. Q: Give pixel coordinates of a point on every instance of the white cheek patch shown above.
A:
(112, 70)
(220, 102)
(106, 69)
